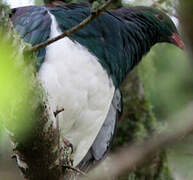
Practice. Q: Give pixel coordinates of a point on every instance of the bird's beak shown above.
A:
(175, 38)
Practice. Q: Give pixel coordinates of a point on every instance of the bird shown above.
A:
(82, 73)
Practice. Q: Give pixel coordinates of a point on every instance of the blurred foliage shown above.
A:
(157, 171)
(165, 72)
(38, 2)
(17, 96)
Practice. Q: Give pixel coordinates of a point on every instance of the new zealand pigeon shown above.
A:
(82, 73)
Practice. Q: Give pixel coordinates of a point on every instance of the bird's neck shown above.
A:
(142, 37)
(139, 38)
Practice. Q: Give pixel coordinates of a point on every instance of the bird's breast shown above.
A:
(75, 81)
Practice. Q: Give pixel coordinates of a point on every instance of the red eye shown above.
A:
(160, 17)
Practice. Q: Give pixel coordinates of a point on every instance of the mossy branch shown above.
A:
(34, 135)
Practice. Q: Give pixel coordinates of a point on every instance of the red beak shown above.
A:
(177, 41)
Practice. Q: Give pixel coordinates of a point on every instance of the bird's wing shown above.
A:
(33, 25)
(104, 139)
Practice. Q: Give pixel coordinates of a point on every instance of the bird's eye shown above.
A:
(160, 17)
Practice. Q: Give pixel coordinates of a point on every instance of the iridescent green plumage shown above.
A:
(118, 38)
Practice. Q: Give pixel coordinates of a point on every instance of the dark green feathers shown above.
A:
(118, 38)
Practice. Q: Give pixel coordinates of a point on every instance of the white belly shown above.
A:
(75, 80)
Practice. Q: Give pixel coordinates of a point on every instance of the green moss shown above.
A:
(138, 120)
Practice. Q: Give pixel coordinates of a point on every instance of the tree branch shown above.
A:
(186, 23)
(28, 118)
(93, 15)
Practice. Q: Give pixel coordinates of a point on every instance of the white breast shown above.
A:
(75, 80)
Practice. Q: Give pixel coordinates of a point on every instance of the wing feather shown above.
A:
(104, 139)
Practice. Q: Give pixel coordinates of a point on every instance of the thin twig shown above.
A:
(58, 111)
(93, 15)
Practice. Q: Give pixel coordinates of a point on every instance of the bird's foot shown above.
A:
(68, 144)
(67, 150)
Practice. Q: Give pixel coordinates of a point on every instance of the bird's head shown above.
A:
(155, 20)
(167, 31)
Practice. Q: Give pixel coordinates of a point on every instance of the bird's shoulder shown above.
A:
(32, 23)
